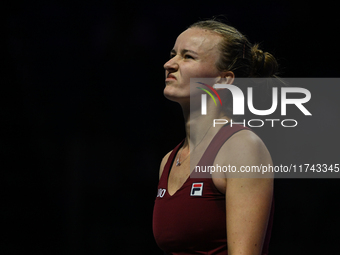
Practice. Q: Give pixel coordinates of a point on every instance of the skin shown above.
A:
(248, 200)
(194, 55)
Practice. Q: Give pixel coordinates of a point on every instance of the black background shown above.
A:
(85, 123)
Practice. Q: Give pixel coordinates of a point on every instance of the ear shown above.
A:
(227, 77)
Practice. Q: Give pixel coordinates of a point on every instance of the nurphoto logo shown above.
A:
(239, 104)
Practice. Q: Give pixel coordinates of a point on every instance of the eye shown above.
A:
(172, 55)
(188, 56)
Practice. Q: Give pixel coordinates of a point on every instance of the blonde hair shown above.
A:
(238, 54)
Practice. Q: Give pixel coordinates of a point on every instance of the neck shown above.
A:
(199, 128)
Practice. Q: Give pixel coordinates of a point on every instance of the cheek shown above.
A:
(200, 71)
(208, 71)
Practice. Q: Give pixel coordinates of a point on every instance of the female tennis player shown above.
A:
(220, 214)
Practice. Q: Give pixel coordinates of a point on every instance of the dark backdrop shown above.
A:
(85, 123)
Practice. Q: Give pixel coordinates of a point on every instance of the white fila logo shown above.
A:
(196, 189)
(161, 193)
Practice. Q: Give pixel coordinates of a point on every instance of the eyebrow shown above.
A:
(183, 51)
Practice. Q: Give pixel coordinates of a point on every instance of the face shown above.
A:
(194, 56)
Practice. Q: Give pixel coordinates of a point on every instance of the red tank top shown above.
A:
(193, 219)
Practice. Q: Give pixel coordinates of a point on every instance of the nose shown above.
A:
(172, 65)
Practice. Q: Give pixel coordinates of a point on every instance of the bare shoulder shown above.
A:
(245, 143)
(244, 149)
(164, 160)
(245, 137)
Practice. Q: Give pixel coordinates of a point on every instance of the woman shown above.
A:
(217, 215)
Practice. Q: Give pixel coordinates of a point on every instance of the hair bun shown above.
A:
(264, 64)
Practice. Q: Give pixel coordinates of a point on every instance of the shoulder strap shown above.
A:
(168, 164)
(215, 145)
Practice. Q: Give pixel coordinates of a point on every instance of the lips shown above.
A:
(170, 77)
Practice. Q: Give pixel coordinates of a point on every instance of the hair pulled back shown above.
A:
(238, 54)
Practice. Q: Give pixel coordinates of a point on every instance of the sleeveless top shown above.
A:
(193, 219)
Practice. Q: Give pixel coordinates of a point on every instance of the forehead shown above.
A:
(199, 40)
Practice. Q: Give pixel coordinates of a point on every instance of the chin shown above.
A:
(173, 95)
(170, 96)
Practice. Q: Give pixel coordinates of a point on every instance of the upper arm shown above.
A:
(164, 160)
(248, 199)
(248, 204)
